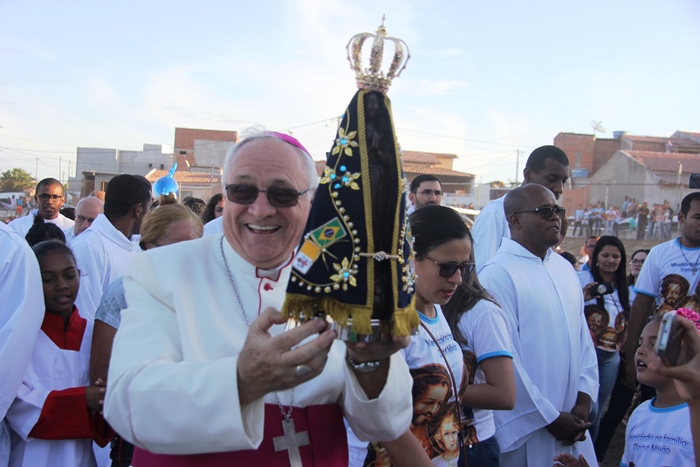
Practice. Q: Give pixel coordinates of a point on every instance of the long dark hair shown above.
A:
(623, 293)
(630, 278)
(209, 212)
(432, 226)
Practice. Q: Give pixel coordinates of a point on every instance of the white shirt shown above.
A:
(20, 320)
(70, 235)
(490, 228)
(173, 380)
(610, 334)
(487, 335)
(424, 358)
(659, 436)
(664, 260)
(21, 225)
(103, 253)
(51, 368)
(553, 355)
(214, 226)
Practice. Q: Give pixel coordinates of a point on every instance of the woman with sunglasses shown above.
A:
(443, 260)
(480, 329)
(607, 267)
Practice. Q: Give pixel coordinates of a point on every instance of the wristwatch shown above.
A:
(365, 367)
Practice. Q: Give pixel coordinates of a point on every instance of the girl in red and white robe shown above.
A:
(56, 414)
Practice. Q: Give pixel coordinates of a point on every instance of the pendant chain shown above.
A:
(286, 414)
(694, 266)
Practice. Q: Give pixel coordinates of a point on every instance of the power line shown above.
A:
(36, 150)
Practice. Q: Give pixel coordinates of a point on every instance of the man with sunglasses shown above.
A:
(425, 189)
(86, 212)
(547, 166)
(49, 199)
(203, 371)
(554, 359)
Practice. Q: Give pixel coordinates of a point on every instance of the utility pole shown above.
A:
(36, 169)
(59, 169)
(517, 166)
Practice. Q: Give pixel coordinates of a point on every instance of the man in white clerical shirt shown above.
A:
(86, 212)
(555, 363)
(547, 166)
(203, 371)
(49, 199)
(104, 251)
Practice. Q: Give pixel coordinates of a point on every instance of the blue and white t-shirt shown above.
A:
(658, 437)
(435, 420)
(484, 328)
(670, 274)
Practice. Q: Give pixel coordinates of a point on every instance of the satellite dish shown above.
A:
(597, 127)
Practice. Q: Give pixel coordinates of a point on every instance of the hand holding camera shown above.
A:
(594, 289)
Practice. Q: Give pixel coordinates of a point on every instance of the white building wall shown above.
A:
(116, 161)
(208, 153)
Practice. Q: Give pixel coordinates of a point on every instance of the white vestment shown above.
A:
(490, 228)
(553, 356)
(20, 320)
(214, 226)
(173, 384)
(103, 253)
(21, 225)
(70, 235)
(51, 368)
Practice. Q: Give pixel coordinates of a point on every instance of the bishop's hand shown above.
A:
(370, 361)
(270, 363)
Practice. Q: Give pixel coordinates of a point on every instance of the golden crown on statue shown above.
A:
(373, 77)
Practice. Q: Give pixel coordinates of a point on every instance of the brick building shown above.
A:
(202, 148)
(589, 155)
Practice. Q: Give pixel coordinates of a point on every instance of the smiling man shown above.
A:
(547, 166)
(49, 198)
(555, 364)
(201, 334)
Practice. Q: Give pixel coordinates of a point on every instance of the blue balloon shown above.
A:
(166, 185)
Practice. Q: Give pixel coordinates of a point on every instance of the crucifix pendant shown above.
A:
(291, 442)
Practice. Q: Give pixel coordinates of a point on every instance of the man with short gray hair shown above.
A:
(86, 212)
(202, 333)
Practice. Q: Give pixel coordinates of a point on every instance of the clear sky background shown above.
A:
(485, 79)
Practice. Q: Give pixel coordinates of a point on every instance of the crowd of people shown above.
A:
(151, 335)
(650, 223)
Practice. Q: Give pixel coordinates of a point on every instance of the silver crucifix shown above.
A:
(291, 442)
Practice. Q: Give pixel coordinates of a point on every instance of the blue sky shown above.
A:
(485, 79)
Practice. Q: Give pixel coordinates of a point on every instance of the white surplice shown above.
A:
(103, 254)
(20, 320)
(214, 226)
(173, 384)
(554, 358)
(51, 368)
(490, 228)
(21, 225)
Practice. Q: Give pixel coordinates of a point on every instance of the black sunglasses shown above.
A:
(278, 197)
(546, 212)
(449, 269)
